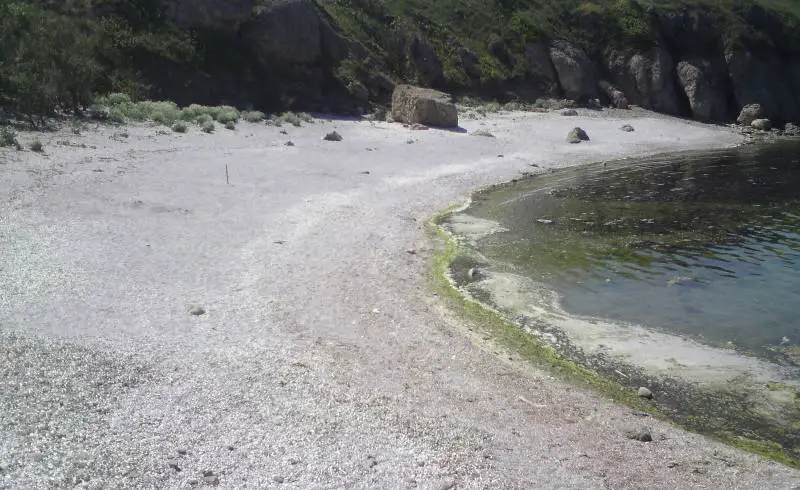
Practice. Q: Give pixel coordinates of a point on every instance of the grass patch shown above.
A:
(253, 116)
(36, 146)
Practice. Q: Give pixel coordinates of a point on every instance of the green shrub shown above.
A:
(194, 111)
(230, 125)
(204, 119)
(180, 127)
(291, 118)
(37, 146)
(226, 114)
(208, 127)
(254, 116)
(8, 137)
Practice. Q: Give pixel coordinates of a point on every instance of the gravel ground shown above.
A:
(321, 359)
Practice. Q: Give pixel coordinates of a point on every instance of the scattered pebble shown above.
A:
(483, 133)
(409, 141)
(642, 434)
(645, 393)
(365, 172)
(278, 479)
(545, 221)
(333, 136)
(627, 128)
(211, 480)
(283, 131)
(569, 112)
(447, 484)
(197, 310)
(289, 143)
(174, 465)
(183, 452)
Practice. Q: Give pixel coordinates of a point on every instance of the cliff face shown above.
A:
(343, 55)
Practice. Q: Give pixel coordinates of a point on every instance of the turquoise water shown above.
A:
(703, 245)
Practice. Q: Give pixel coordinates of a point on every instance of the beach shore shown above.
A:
(224, 309)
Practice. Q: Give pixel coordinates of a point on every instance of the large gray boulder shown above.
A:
(615, 95)
(646, 78)
(704, 88)
(213, 14)
(286, 30)
(763, 78)
(749, 113)
(416, 105)
(575, 71)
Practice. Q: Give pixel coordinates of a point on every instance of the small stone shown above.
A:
(211, 480)
(419, 127)
(545, 221)
(501, 156)
(283, 131)
(627, 128)
(577, 135)
(174, 465)
(409, 141)
(208, 473)
(569, 112)
(483, 133)
(289, 143)
(197, 310)
(183, 452)
(644, 392)
(230, 448)
(643, 434)
(333, 136)
(278, 479)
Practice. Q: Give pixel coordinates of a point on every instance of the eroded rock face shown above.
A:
(575, 71)
(614, 95)
(646, 79)
(416, 105)
(537, 56)
(763, 78)
(215, 14)
(704, 86)
(286, 30)
(421, 60)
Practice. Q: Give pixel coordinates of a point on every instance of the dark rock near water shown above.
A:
(646, 78)
(749, 113)
(763, 78)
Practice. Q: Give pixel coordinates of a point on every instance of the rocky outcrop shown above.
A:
(468, 60)
(576, 73)
(286, 30)
(416, 105)
(704, 88)
(761, 124)
(225, 15)
(763, 78)
(420, 59)
(615, 95)
(647, 79)
(540, 66)
(749, 113)
(577, 135)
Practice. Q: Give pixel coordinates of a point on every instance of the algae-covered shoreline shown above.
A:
(755, 410)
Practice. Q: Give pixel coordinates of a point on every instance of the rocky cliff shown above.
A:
(344, 55)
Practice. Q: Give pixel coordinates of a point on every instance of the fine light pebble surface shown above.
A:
(160, 328)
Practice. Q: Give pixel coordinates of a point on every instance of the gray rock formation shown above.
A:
(422, 63)
(763, 78)
(646, 79)
(416, 105)
(761, 124)
(749, 113)
(539, 64)
(705, 89)
(577, 135)
(576, 73)
(615, 95)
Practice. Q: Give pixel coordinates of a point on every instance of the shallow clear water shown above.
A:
(706, 245)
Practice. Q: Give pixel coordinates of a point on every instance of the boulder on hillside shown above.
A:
(646, 79)
(791, 129)
(221, 15)
(761, 124)
(749, 113)
(416, 105)
(704, 87)
(615, 95)
(575, 71)
(286, 30)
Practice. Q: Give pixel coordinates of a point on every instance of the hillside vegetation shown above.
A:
(56, 56)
